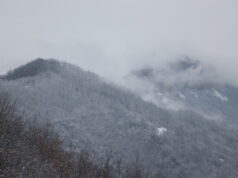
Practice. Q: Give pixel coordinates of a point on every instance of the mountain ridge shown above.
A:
(33, 68)
(89, 113)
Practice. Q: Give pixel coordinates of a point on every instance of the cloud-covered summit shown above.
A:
(183, 71)
(187, 84)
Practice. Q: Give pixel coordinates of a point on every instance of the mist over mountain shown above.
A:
(118, 89)
(177, 133)
(188, 84)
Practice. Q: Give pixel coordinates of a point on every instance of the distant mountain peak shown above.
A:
(33, 68)
(182, 66)
(145, 72)
(185, 63)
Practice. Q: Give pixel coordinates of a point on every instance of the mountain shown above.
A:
(33, 68)
(187, 84)
(89, 113)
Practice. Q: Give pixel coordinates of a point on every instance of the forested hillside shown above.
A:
(90, 114)
(32, 151)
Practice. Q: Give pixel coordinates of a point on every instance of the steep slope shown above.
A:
(90, 113)
(33, 151)
(188, 84)
(28, 151)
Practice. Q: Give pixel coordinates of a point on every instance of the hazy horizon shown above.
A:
(113, 37)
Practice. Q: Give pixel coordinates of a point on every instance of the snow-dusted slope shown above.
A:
(191, 85)
(89, 113)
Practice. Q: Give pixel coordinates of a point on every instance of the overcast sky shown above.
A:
(110, 37)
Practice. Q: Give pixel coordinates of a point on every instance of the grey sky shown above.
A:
(112, 36)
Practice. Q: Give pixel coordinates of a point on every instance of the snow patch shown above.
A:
(181, 95)
(219, 95)
(165, 100)
(195, 95)
(159, 94)
(221, 160)
(161, 131)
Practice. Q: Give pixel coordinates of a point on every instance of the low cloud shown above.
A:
(113, 38)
